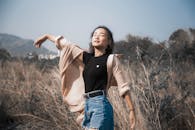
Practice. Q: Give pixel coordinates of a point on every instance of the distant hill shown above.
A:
(19, 47)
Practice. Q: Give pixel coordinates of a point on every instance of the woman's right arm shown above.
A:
(43, 38)
(56, 40)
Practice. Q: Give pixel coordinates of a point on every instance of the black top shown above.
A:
(95, 72)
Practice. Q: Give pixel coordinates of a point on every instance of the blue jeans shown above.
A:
(98, 113)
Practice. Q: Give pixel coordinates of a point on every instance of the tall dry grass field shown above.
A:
(31, 98)
(162, 91)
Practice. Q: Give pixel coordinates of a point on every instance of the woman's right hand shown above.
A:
(39, 41)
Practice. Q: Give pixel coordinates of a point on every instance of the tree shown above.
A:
(4, 54)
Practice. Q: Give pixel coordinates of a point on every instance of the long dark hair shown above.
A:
(110, 47)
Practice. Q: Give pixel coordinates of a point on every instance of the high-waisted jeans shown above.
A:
(98, 113)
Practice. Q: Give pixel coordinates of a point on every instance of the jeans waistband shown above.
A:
(94, 93)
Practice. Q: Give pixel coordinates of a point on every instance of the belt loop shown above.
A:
(87, 94)
(103, 92)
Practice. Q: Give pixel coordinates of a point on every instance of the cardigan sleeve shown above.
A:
(68, 52)
(72, 84)
(67, 47)
(61, 42)
(120, 77)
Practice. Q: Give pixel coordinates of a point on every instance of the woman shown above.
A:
(86, 77)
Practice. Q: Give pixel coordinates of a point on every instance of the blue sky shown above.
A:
(75, 19)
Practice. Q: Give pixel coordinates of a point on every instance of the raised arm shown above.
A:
(43, 38)
(59, 41)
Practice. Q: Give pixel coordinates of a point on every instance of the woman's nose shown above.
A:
(96, 36)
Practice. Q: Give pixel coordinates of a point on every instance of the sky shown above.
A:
(76, 19)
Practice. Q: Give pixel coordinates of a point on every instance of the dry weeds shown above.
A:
(30, 97)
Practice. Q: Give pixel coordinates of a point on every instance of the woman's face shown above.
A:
(100, 38)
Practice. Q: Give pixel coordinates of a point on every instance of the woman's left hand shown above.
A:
(131, 108)
(132, 119)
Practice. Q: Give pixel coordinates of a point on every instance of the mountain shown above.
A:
(19, 47)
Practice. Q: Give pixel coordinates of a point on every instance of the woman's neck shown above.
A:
(99, 52)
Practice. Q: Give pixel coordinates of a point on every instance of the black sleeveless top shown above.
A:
(95, 72)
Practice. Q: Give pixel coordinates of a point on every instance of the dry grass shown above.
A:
(163, 93)
(30, 98)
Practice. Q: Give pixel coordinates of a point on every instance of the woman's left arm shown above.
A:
(123, 87)
(127, 98)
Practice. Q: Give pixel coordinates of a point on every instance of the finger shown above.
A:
(37, 46)
(132, 124)
(35, 43)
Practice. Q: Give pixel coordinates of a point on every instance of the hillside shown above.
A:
(19, 47)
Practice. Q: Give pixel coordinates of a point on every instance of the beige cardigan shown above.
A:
(71, 69)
